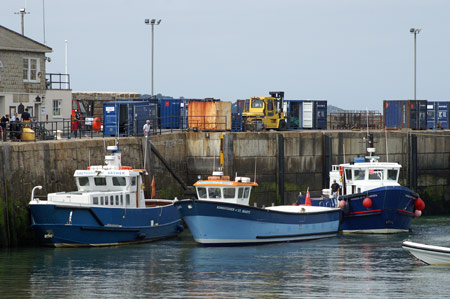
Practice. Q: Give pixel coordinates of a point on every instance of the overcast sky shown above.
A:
(353, 53)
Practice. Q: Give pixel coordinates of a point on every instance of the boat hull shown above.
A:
(73, 226)
(214, 223)
(429, 254)
(391, 211)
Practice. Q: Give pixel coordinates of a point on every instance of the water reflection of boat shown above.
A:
(371, 198)
(429, 254)
(222, 216)
(109, 208)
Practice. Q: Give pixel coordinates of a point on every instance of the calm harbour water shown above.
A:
(347, 266)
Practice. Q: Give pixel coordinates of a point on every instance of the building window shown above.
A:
(1, 66)
(31, 69)
(56, 107)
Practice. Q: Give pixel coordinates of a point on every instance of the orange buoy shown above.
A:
(417, 213)
(97, 124)
(126, 167)
(342, 204)
(419, 204)
(367, 202)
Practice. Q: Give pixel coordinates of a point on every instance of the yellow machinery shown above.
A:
(27, 134)
(264, 112)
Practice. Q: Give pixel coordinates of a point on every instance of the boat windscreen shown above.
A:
(201, 192)
(392, 174)
(229, 192)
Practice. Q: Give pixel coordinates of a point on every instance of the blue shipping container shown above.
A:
(126, 118)
(437, 115)
(169, 113)
(405, 114)
(392, 112)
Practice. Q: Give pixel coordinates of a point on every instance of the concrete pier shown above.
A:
(285, 163)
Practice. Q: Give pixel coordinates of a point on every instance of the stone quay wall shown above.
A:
(285, 163)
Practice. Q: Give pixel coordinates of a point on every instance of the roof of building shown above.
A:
(13, 41)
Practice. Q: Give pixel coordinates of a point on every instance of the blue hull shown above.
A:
(391, 212)
(213, 223)
(60, 226)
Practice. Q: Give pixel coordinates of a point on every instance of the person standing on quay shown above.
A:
(146, 128)
(4, 121)
(26, 116)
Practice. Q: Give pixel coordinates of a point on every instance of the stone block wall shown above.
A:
(12, 72)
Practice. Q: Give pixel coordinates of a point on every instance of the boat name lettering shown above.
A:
(116, 172)
(233, 209)
(84, 172)
(215, 183)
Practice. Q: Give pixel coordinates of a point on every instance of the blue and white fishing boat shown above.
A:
(222, 216)
(109, 208)
(371, 198)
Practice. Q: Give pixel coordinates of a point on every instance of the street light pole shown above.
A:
(22, 13)
(414, 31)
(152, 22)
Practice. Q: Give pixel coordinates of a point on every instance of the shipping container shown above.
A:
(437, 115)
(405, 114)
(236, 122)
(209, 115)
(126, 118)
(169, 113)
(306, 114)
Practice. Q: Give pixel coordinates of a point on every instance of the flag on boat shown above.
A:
(153, 188)
(308, 198)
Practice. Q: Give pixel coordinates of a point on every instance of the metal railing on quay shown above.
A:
(18, 131)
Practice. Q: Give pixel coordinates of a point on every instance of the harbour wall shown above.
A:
(285, 163)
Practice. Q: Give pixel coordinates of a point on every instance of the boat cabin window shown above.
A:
(128, 199)
(359, 174)
(240, 192)
(229, 192)
(214, 192)
(133, 181)
(102, 201)
(111, 200)
(119, 181)
(117, 200)
(202, 192)
(83, 181)
(100, 181)
(348, 174)
(247, 192)
(95, 200)
(392, 174)
(375, 174)
(121, 199)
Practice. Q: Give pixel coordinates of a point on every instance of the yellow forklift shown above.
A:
(264, 113)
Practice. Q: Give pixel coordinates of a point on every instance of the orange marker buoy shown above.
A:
(367, 202)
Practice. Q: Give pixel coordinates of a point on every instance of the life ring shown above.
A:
(97, 124)
(341, 170)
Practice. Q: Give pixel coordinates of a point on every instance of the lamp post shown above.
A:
(152, 22)
(22, 12)
(414, 31)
